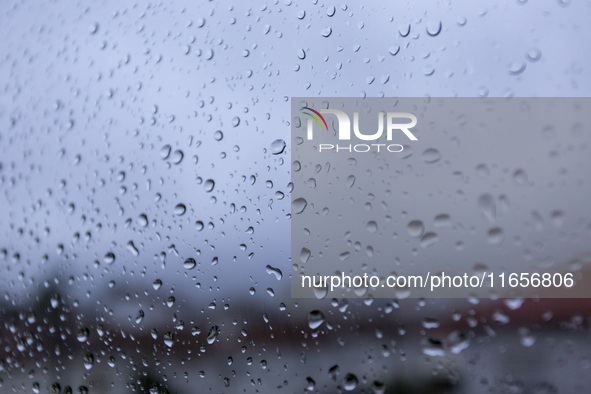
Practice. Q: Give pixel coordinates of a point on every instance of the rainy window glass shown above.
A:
(147, 198)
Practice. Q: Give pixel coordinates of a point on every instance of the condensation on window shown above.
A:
(145, 196)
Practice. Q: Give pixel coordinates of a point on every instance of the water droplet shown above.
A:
(320, 292)
(415, 228)
(305, 255)
(495, 236)
(209, 185)
(142, 220)
(372, 226)
(109, 258)
(213, 334)
(301, 14)
(520, 177)
(483, 170)
(298, 205)
(514, 303)
(170, 301)
(526, 337)
(165, 152)
(404, 30)
(442, 220)
(301, 54)
(93, 28)
(394, 49)
(139, 317)
(433, 347)
(430, 323)
(180, 209)
(157, 284)
(88, 361)
(350, 382)
(501, 317)
(218, 135)
(54, 300)
(533, 55)
(277, 147)
(132, 248)
(431, 156)
(189, 263)
(168, 339)
(315, 319)
(326, 32)
(82, 335)
(177, 156)
(557, 218)
(564, 3)
(429, 239)
(235, 121)
(487, 206)
(275, 271)
(433, 29)
(517, 68)
(457, 341)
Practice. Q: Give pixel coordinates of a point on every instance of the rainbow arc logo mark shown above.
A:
(315, 118)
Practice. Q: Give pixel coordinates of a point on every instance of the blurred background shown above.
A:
(145, 196)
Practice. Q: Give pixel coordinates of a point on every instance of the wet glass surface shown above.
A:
(145, 196)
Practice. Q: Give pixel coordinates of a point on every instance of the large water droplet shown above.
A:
(299, 204)
(168, 339)
(433, 347)
(139, 317)
(350, 382)
(326, 32)
(415, 228)
(209, 185)
(429, 239)
(189, 263)
(213, 334)
(177, 156)
(315, 319)
(109, 258)
(433, 29)
(142, 220)
(275, 271)
(180, 209)
(82, 335)
(431, 155)
(88, 361)
(165, 152)
(457, 341)
(277, 146)
(517, 68)
(304, 255)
